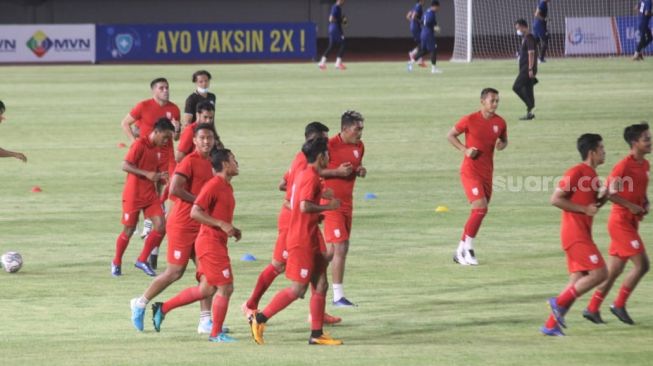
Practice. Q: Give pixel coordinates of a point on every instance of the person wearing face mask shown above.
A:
(202, 80)
(526, 79)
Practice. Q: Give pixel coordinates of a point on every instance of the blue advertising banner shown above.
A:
(629, 35)
(205, 42)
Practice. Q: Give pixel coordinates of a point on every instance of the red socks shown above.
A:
(185, 297)
(567, 297)
(624, 293)
(595, 302)
(279, 302)
(551, 322)
(153, 240)
(264, 281)
(219, 308)
(474, 222)
(318, 304)
(121, 245)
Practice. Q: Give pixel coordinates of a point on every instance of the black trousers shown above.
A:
(523, 87)
(543, 45)
(341, 50)
(423, 51)
(644, 39)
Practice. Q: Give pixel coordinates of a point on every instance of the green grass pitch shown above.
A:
(416, 306)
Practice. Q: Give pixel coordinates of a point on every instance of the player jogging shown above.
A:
(414, 17)
(427, 38)
(579, 195)
(484, 131)
(627, 185)
(336, 36)
(143, 167)
(539, 27)
(645, 36)
(526, 80)
(202, 80)
(6, 153)
(306, 257)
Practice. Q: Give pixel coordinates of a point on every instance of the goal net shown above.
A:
(587, 28)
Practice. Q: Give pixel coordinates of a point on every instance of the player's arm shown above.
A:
(153, 176)
(310, 207)
(502, 143)
(126, 125)
(614, 187)
(343, 170)
(531, 60)
(12, 154)
(177, 188)
(186, 119)
(179, 156)
(198, 214)
(560, 199)
(283, 185)
(452, 136)
(410, 15)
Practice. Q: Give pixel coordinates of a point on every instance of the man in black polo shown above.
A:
(526, 79)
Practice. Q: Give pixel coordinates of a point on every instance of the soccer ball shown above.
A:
(11, 262)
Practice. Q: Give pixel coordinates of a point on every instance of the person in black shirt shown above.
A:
(526, 79)
(202, 80)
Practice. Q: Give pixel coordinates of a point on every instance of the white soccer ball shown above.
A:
(11, 262)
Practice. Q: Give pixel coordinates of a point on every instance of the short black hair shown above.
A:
(219, 157)
(2, 107)
(487, 91)
(349, 118)
(435, 3)
(633, 133)
(588, 142)
(200, 73)
(164, 124)
(158, 80)
(313, 148)
(315, 128)
(204, 106)
(521, 22)
(205, 126)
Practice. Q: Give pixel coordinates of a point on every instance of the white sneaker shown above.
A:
(205, 327)
(435, 70)
(147, 228)
(460, 259)
(409, 66)
(470, 257)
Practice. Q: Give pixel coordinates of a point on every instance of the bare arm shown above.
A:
(177, 188)
(179, 156)
(452, 137)
(560, 199)
(310, 207)
(126, 124)
(502, 143)
(344, 170)
(186, 119)
(12, 154)
(613, 189)
(283, 185)
(199, 215)
(531, 63)
(153, 176)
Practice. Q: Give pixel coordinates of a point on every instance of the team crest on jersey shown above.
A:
(594, 258)
(356, 154)
(475, 191)
(634, 244)
(177, 254)
(285, 254)
(495, 128)
(226, 273)
(303, 273)
(126, 216)
(336, 232)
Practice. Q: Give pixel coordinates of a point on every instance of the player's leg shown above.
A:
(263, 282)
(434, 57)
(341, 52)
(339, 252)
(615, 268)
(319, 287)
(544, 46)
(323, 60)
(478, 195)
(155, 213)
(129, 220)
(523, 88)
(641, 266)
(220, 306)
(158, 285)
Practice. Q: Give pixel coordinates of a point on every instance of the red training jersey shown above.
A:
(186, 144)
(482, 134)
(342, 152)
(303, 227)
(216, 198)
(297, 166)
(144, 155)
(197, 171)
(633, 178)
(147, 112)
(581, 184)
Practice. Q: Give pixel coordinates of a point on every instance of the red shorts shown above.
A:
(337, 226)
(626, 241)
(130, 212)
(582, 257)
(181, 245)
(280, 254)
(216, 267)
(476, 188)
(303, 263)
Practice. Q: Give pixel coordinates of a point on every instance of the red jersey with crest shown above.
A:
(342, 152)
(140, 191)
(197, 170)
(303, 228)
(216, 198)
(298, 164)
(483, 134)
(186, 144)
(147, 112)
(632, 176)
(581, 184)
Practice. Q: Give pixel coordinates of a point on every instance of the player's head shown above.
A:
(351, 127)
(224, 161)
(162, 133)
(315, 129)
(521, 26)
(205, 112)
(316, 151)
(590, 146)
(435, 4)
(202, 80)
(204, 137)
(489, 100)
(2, 110)
(160, 89)
(638, 136)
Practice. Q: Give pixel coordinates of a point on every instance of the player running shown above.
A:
(143, 167)
(427, 38)
(306, 253)
(414, 17)
(336, 36)
(484, 131)
(627, 186)
(579, 195)
(645, 36)
(202, 80)
(539, 28)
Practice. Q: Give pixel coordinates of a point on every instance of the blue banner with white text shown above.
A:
(629, 35)
(205, 42)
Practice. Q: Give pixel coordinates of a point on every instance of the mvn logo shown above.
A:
(40, 43)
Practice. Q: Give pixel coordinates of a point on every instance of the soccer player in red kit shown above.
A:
(306, 259)
(142, 165)
(205, 114)
(579, 195)
(190, 175)
(484, 132)
(280, 255)
(346, 151)
(213, 209)
(627, 185)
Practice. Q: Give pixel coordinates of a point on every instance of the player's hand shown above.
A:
(501, 145)
(238, 234)
(164, 175)
(361, 172)
(646, 207)
(21, 157)
(471, 153)
(345, 21)
(591, 209)
(2, 118)
(327, 194)
(153, 176)
(636, 210)
(531, 74)
(436, 29)
(344, 170)
(334, 204)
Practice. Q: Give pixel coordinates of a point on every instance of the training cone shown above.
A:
(442, 209)
(248, 258)
(122, 145)
(370, 196)
(36, 189)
